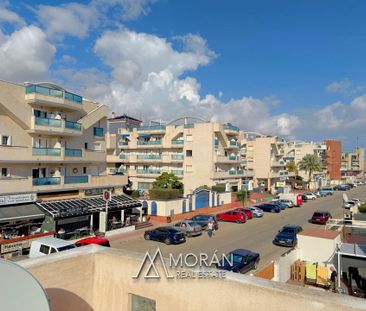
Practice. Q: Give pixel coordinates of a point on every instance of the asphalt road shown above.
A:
(255, 235)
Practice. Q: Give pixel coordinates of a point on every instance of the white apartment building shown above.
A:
(198, 152)
(51, 142)
(353, 163)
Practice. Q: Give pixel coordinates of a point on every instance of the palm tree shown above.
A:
(310, 163)
(292, 167)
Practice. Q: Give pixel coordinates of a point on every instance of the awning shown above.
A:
(144, 135)
(124, 135)
(19, 212)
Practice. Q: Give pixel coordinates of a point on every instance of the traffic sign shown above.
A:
(107, 196)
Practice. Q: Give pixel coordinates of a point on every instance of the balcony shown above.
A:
(177, 157)
(152, 128)
(76, 179)
(177, 172)
(46, 181)
(233, 144)
(236, 172)
(123, 144)
(51, 126)
(178, 143)
(149, 171)
(277, 163)
(73, 153)
(189, 126)
(13, 184)
(58, 98)
(230, 129)
(123, 156)
(226, 159)
(149, 143)
(53, 152)
(149, 157)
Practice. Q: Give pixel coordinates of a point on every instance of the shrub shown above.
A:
(135, 194)
(362, 208)
(165, 194)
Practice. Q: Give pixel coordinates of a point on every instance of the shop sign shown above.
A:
(18, 198)
(280, 184)
(98, 191)
(20, 244)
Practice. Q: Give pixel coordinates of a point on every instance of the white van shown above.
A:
(48, 245)
(295, 198)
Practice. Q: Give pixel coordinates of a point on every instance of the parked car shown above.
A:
(269, 208)
(93, 240)
(304, 198)
(203, 220)
(326, 191)
(349, 204)
(317, 193)
(310, 196)
(257, 212)
(287, 236)
(281, 205)
(168, 235)
(49, 245)
(288, 203)
(246, 211)
(357, 201)
(342, 187)
(240, 261)
(189, 227)
(233, 216)
(320, 217)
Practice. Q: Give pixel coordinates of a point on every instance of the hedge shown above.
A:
(165, 194)
(362, 208)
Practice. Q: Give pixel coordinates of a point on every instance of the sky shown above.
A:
(295, 69)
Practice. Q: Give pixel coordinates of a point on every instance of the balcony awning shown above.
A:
(124, 135)
(144, 135)
(20, 212)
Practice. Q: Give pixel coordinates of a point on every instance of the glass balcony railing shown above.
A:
(73, 125)
(149, 157)
(123, 143)
(98, 131)
(73, 153)
(234, 143)
(189, 126)
(283, 173)
(177, 157)
(178, 142)
(48, 122)
(231, 128)
(236, 172)
(76, 179)
(46, 181)
(55, 152)
(177, 172)
(150, 142)
(149, 171)
(233, 158)
(123, 156)
(52, 92)
(159, 127)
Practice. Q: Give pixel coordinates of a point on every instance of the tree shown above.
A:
(167, 181)
(310, 163)
(242, 195)
(292, 167)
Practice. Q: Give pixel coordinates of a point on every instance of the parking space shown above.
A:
(256, 234)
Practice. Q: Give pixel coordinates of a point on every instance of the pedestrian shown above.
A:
(210, 228)
(333, 279)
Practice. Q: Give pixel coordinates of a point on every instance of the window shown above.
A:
(5, 172)
(98, 131)
(188, 168)
(188, 153)
(53, 250)
(5, 140)
(189, 138)
(44, 249)
(84, 170)
(85, 145)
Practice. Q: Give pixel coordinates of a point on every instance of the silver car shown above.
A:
(288, 203)
(257, 212)
(189, 227)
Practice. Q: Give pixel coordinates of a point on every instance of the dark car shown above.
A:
(287, 236)
(168, 235)
(233, 216)
(320, 217)
(239, 260)
(281, 205)
(203, 220)
(304, 198)
(342, 187)
(269, 208)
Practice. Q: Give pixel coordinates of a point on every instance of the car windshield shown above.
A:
(319, 214)
(288, 230)
(64, 248)
(234, 258)
(192, 223)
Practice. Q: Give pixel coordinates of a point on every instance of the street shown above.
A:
(256, 235)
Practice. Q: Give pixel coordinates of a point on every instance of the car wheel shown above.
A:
(147, 236)
(238, 221)
(167, 241)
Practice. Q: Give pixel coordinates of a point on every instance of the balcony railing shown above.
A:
(76, 179)
(123, 143)
(189, 126)
(158, 127)
(149, 157)
(149, 171)
(73, 125)
(52, 92)
(231, 128)
(73, 153)
(236, 172)
(233, 158)
(234, 143)
(177, 172)
(46, 181)
(54, 152)
(124, 156)
(48, 122)
(177, 157)
(178, 142)
(150, 142)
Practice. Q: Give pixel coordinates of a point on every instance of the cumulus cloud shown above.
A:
(27, 53)
(8, 16)
(147, 81)
(338, 86)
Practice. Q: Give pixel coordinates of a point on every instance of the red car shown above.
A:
(234, 216)
(93, 240)
(246, 211)
(320, 217)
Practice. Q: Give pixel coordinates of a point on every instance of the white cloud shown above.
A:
(339, 86)
(27, 54)
(146, 81)
(8, 16)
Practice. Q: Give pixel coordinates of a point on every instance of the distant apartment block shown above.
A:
(52, 142)
(353, 163)
(197, 152)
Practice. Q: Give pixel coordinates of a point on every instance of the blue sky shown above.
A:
(293, 69)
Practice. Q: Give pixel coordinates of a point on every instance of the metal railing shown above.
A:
(76, 179)
(52, 92)
(48, 122)
(55, 152)
(73, 153)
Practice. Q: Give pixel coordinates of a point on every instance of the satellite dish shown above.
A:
(20, 290)
(345, 197)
